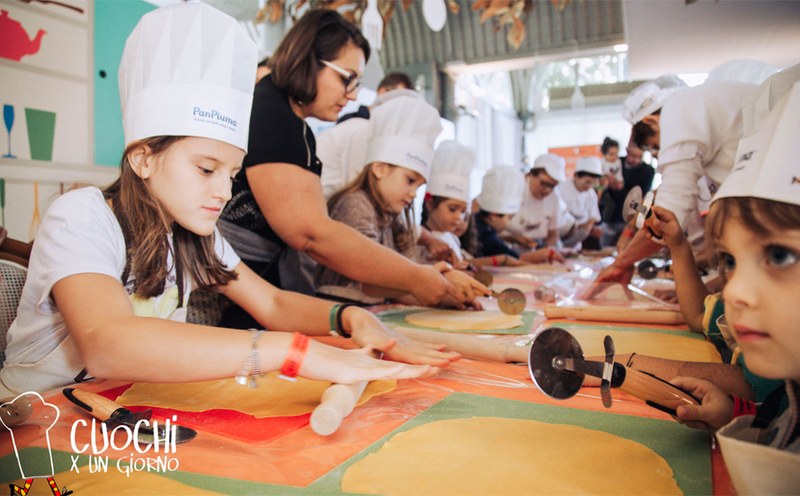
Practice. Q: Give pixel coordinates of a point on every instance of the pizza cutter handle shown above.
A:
(648, 222)
(655, 390)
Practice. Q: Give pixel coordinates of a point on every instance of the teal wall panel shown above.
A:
(113, 22)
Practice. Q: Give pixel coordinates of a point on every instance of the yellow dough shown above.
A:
(483, 455)
(647, 343)
(114, 482)
(462, 320)
(274, 397)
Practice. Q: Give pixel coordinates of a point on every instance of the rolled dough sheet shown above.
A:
(274, 397)
(487, 455)
(654, 344)
(461, 320)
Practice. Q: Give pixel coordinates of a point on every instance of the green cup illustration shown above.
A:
(41, 132)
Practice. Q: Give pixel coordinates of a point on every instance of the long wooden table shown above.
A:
(284, 456)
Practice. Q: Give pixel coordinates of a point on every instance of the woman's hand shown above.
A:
(715, 408)
(612, 273)
(328, 363)
(368, 330)
(467, 288)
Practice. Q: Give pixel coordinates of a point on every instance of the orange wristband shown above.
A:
(297, 351)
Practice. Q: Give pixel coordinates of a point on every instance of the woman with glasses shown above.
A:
(536, 224)
(277, 197)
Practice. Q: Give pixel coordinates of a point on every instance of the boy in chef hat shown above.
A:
(500, 199)
(379, 202)
(580, 210)
(538, 219)
(754, 224)
(111, 270)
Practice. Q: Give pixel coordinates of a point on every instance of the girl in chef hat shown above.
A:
(379, 202)
(448, 196)
(754, 224)
(112, 269)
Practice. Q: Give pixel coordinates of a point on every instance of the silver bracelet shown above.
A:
(246, 376)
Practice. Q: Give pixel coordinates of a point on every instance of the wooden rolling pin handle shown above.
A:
(655, 390)
(336, 404)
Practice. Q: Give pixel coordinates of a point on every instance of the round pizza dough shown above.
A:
(274, 397)
(483, 455)
(464, 320)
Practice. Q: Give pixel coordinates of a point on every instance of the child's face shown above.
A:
(586, 183)
(192, 181)
(447, 216)
(499, 222)
(762, 297)
(397, 185)
(462, 226)
(541, 184)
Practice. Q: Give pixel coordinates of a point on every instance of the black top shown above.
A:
(277, 135)
(489, 242)
(641, 176)
(362, 112)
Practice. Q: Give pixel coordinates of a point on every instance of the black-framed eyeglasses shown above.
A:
(350, 79)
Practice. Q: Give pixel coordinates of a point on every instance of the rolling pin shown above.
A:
(336, 404)
(497, 349)
(614, 314)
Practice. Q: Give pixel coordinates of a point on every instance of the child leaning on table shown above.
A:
(754, 224)
(111, 270)
(500, 199)
(379, 203)
(448, 194)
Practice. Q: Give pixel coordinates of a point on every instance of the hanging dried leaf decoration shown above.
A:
(560, 4)
(272, 11)
(453, 6)
(516, 35)
(406, 4)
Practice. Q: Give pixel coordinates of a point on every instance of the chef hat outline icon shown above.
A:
(46, 433)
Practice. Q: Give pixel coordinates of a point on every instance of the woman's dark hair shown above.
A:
(469, 240)
(319, 35)
(642, 131)
(608, 143)
(146, 232)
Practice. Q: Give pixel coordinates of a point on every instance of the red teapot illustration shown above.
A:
(14, 40)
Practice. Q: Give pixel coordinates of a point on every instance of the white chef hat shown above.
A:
(402, 132)
(450, 171)
(766, 162)
(553, 164)
(188, 70)
(502, 190)
(592, 165)
(649, 97)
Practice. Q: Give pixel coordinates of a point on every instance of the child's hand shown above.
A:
(715, 408)
(328, 363)
(368, 330)
(542, 255)
(665, 222)
(439, 250)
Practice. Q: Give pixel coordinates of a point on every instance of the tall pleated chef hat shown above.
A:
(502, 190)
(450, 171)
(553, 164)
(402, 132)
(766, 162)
(650, 96)
(188, 70)
(592, 165)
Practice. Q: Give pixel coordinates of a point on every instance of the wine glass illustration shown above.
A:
(8, 119)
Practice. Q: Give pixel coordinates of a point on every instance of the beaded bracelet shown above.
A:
(294, 359)
(246, 376)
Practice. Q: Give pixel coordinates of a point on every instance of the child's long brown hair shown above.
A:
(146, 231)
(403, 230)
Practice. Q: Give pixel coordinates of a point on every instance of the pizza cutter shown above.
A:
(557, 367)
(634, 206)
(511, 301)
